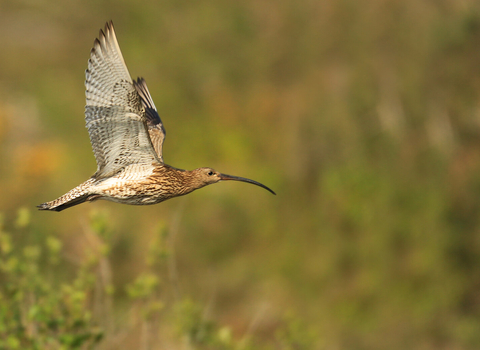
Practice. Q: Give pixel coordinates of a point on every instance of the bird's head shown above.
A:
(208, 176)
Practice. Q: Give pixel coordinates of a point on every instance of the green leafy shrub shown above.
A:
(37, 311)
(43, 308)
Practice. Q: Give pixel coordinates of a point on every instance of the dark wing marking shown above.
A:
(114, 115)
(154, 123)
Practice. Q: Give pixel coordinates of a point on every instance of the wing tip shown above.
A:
(103, 36)
(109, 26)
(147, 101)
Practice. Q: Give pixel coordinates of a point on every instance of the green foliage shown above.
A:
(295, 335)
(37, 312)
(143, 286)
(191, 323)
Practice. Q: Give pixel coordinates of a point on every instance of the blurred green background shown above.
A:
(363, 116)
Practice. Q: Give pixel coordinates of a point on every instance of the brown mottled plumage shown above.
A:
(127, 137)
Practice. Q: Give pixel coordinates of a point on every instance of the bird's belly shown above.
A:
(131, 192)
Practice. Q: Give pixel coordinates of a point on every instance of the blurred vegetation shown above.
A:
(364, 117)
(43, 308)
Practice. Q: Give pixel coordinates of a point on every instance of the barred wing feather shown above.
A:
(154, 123)
(114, 114)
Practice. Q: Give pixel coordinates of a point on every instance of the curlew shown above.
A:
(127, 137)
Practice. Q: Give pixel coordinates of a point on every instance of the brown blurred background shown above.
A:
(363, 116)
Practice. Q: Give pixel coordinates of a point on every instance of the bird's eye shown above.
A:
(210, 173)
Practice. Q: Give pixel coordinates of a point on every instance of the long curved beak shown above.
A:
(243, 179)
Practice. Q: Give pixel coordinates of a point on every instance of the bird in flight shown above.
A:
(127, 137)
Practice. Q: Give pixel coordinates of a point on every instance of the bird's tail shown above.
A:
(73, 197)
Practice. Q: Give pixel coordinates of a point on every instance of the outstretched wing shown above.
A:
(114, 114)
(154, 123)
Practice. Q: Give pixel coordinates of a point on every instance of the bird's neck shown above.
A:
(179, 181)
